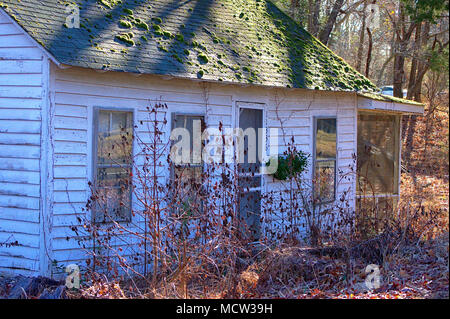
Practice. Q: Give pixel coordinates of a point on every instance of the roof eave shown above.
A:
(372, 103)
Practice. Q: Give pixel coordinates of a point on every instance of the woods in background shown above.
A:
(403, 43)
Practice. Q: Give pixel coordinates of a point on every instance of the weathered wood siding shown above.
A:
(77, 91)
(22, 87)
(294, 113)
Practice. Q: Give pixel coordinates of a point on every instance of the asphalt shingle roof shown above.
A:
(242, 41)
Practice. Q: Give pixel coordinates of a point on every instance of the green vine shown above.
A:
(290, 165)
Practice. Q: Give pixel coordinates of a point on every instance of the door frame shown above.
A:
(254, 106)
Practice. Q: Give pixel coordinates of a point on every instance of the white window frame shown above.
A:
(172, 127)
(397, 172)
(324, 117)
(255, 106)
(96, 110)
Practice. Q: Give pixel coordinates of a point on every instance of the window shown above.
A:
(325, 159)
(188, 176)
(113, 165)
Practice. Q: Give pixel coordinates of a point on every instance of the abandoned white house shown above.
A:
(71, 73)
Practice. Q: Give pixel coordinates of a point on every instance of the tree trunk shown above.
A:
(388, 60)
(383, 67)
(326, 31)
(399, 51)
(412, 121)
(293, 8)
(361, 40)
(369, 53)
(417, 89)
(414, 62)
(310, 15)
(310, 9)
(401, 44)
(313, 17)
(422, 66)
(399, 67)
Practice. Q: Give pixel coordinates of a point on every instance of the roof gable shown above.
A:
(241, 41)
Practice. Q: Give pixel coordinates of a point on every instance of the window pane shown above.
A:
(324, 180)
(113, 171)
(113, 176)
(103, 122)
(251, 119)
(114, 204)
(187, 122)
(325, 159)
(377, 154)
(114, 138)
(188, 177)
(119, 122)
(325, 139)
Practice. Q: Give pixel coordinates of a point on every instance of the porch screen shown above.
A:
(378, 145)
(113, 165)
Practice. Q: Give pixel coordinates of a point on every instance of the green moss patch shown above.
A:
(202, 58)
(126, 38)
(142, 25)
(109, 3)
(125, 24)
(179, 37)
(157, 20)
(128, 11)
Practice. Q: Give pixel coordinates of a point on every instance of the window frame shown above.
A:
(172, 126)
(324, 117)
(240, 105)
(95, 129)
(371, 199)
(397, 153)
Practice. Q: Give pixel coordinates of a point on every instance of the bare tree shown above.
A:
(331, 21)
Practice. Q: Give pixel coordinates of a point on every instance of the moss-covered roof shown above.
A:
(242, 41)
(388, 98)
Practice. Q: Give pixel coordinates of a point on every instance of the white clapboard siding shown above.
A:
(76, 95)
(294, 117)
(21, 98)
(78, 92)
